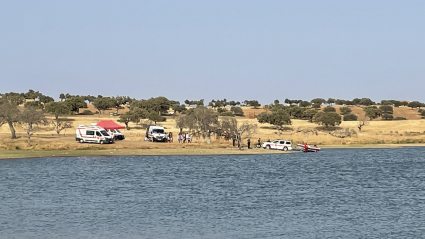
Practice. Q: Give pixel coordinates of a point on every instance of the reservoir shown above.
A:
(335, 193)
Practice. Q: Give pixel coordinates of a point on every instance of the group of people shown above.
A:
(183, 137)
(248, 142)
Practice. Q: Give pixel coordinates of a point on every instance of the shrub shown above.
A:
(386, 109)
(387, 116)
(87, 112)
(399, 118)
(328, 109)
(350, 117)
(226, 113)
(237, 110)
(345, 110)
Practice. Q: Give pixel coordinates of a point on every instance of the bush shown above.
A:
(387, 116)
(87, 112)
(328, 109)
(399, 118)
(345, 110)
(350, 117)
(237, 110)
(227, 113)
(388, 109)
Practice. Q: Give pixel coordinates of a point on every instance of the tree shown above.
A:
(305, 103)
(414, 104)
(423, 113)
(237, 110)
(329, 109)
(57, 109)
(31, 117)
(161, 105)
(35, 104)
(75, 103)
(387, 116)
(327, 118)
(253, 103)
(156, 117)
(14, 98)
(386, 109)
(350, 117)
(31, 94)
(137, 114)
(372, 112)
(178, 108)
(345, 110)
(356, 101)
(366, 102)
(318, 101)
(310, 113)
(277, 118)
(119, 101)
(330, 101)
(9, 114)
(45, 99)
(129, 116)
(62, 96)
(199, 120)
(316, 106)
(296, 111)
(89, 98)
(103, 104)
(230, 127)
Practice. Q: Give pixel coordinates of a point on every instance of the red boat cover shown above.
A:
(109, 124)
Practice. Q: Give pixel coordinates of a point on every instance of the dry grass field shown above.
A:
(374, 132)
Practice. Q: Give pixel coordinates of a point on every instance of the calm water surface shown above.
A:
(338, 193)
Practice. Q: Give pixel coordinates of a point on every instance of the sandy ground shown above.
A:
(376, 133)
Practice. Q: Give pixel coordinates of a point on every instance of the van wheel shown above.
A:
(81, 141)
(268, 147)
(101, 142)
(285, 149)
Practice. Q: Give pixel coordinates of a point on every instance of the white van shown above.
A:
(156, 134)
(116, 134)
(92, 134)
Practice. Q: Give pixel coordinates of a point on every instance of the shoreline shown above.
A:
(17, 154)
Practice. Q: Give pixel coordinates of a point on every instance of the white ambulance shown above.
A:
(92, 134)
(156, 134)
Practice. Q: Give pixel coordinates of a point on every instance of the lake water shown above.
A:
(336, 193)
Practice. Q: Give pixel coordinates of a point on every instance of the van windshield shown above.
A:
(158, 131)
(104, 133)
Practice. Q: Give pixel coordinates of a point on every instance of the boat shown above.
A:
(309, 147)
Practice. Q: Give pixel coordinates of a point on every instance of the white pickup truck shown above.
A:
(278, 144)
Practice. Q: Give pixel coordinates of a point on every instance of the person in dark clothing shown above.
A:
(259, 143)
(234, 141)
(249, 143)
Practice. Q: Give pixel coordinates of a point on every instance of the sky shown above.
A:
(238, 50)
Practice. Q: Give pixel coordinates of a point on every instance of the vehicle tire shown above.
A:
(101, 142)
(285, 149)
(268, 147)
(81, 141)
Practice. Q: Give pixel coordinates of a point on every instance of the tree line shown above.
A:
(200, 119)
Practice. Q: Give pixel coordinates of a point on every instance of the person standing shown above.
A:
(249, 143)
(259, 143)
(234, 141)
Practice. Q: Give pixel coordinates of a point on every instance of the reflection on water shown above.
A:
(344, 193)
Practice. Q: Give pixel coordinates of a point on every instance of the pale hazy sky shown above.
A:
(238, 50)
